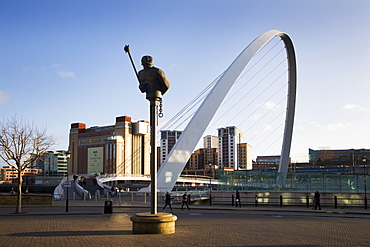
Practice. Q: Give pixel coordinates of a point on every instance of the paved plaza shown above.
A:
(86, 225)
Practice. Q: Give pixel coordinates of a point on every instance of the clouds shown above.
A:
(270, 105)
(57, 69)
(66, 74)
(331, 126)
(4, 97)
(354, 107)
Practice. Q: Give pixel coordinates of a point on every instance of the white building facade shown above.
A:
(228, 140)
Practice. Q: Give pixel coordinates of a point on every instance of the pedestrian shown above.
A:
(317, 200)
(167, 201)
(313, 202)
(237, 199)
(185, 201)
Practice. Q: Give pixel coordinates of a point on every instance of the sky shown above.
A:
(63, 62)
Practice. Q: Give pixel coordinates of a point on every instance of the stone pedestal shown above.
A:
(147, 223)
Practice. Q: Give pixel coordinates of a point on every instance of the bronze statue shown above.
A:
(152, 80)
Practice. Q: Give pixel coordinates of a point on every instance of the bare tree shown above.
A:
(21, 143)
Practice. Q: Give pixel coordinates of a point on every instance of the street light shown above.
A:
(212, 169)
(364, 159)
(210, 183)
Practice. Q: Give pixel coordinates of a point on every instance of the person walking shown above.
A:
(237, 199)
(167, 201)
(185, 201)
(317, 200)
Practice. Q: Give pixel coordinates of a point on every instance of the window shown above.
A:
(163, 135)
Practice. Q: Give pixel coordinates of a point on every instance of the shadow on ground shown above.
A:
(69, 233)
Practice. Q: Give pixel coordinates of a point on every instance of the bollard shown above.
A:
(281, 200)
(145, 198)
(232, 200)
(335, 202)
(255, 200)
(307, 202)
(365, 199)
(108, 207)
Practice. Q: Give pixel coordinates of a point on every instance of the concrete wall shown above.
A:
(27, 199)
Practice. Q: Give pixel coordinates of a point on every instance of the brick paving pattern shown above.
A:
(201, 226)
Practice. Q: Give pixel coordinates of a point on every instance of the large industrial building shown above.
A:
(122, 148)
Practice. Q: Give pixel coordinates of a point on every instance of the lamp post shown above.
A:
(364, 159)
(210, 183)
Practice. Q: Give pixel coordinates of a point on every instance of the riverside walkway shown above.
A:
(85, 225)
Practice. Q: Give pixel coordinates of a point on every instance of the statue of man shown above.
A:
(152, 80)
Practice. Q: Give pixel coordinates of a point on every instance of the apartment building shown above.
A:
(228, 140)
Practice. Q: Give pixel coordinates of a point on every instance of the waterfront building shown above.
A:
(266, 162)
(122, 148)
(10, 175)
(228, 140)
(168, 140)
(196, 160)
(52, 164)
(355, 157)
(245, 156)
(210, 144)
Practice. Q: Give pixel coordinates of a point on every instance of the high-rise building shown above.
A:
(123, 148)
(210, 141)
(245, 156)
(52, 164)
(196, 160)
(210, 144)
(168, 140)
(228, 140)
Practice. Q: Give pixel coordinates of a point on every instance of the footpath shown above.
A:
(85, 224)
(98, 207)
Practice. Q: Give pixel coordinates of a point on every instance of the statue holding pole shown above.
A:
(154, 83)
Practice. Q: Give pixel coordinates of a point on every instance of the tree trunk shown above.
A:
(19, 195)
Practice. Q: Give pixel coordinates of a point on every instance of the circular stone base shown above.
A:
(147, 223)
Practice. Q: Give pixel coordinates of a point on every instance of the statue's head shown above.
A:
(147, 61)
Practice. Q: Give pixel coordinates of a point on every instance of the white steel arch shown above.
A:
(185, 145)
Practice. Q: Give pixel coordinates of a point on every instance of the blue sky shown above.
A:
(62, 61)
